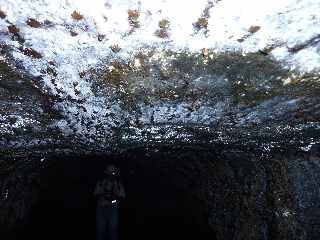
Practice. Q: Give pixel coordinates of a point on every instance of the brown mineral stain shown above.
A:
(251, 30)
(295, 82)
(13, 30)
(52, 63)
(32, 53)
(133, 16)
(76, 16)
(164, 28)
(2, 14)
(202, 23)
(73, 34)
(254, 29)
(116, 76)
(33, 23)
(164, 23)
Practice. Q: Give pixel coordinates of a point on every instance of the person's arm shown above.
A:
(120, 192)
(99, 189)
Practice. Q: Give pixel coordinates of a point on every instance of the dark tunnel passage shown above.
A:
(173, 192)
(157, 206)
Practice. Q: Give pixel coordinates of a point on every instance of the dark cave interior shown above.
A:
(173, 192)
(158, 205)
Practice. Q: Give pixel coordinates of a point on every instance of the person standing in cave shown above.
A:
(109, 190)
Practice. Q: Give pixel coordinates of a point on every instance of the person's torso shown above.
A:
(109, 192)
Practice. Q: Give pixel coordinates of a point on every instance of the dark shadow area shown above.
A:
(155, 207)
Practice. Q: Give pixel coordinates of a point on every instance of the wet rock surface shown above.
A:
(26, 112)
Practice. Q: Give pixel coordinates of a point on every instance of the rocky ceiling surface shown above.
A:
(114, 73)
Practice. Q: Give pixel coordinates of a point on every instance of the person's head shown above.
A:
(111, 170)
